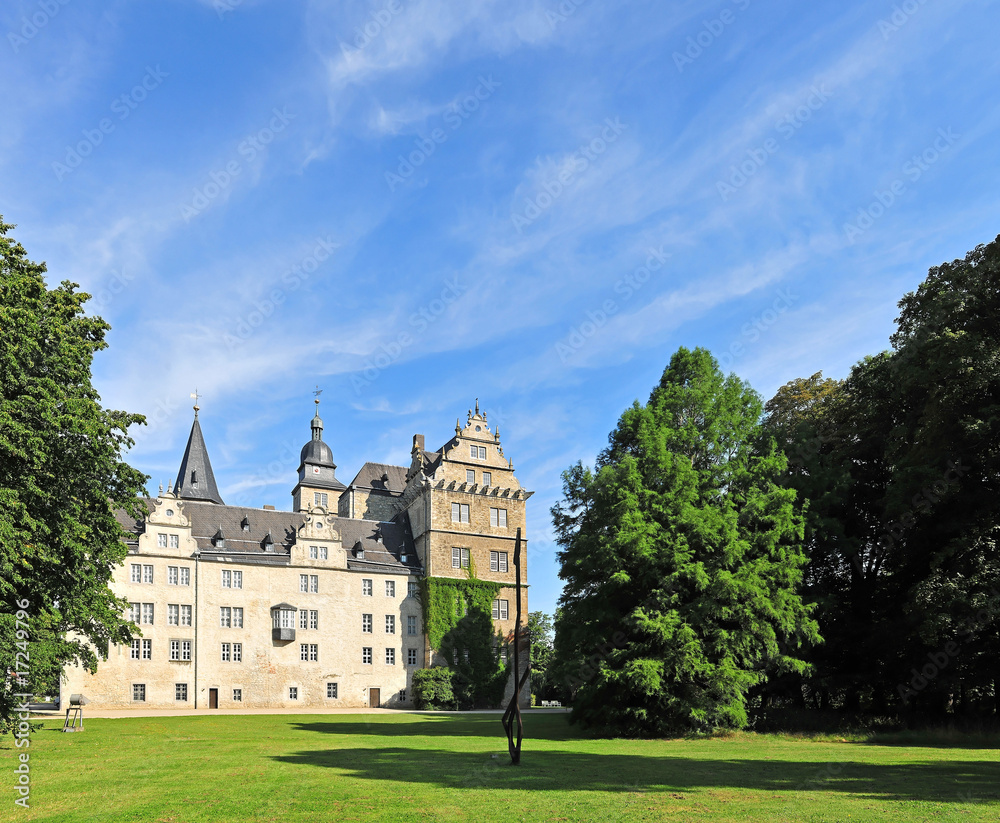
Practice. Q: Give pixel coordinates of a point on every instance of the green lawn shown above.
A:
(440, 767)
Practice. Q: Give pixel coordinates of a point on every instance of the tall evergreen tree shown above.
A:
(682, 559)
(61, 479)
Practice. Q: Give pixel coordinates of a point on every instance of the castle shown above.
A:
(320, 606)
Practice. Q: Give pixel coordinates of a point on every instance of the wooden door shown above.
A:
(213, 698)
(374, 698)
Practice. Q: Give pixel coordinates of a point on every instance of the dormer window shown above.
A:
(359, 551)
(245, 523)
(268, 543)
(194, 477)
(219, 540)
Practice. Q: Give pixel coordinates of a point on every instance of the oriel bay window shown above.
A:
(283, 622)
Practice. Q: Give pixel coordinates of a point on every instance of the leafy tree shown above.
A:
(682, 559)
(540, 633)
(61, 480)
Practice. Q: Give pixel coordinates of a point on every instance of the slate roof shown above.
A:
(370, 477)
(195, 480)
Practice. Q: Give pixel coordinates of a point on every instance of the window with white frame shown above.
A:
(459, 512)
(147, 574)
(411, 657)
(459, 558)
(136, 572)
(147, 649)
(320, 499)
(498, 518)
(411, 589)
(161, 541)
(185, 615)
(366, 586)
(411, 624)
(175, 649)
(366, 654)
(185, 650)
(313, 619)
(175, 541)
(487, 478)
(185, 576)
(498, 561)
(314, 583)
(499, 609)
(225, 617)
(237, 580)
(134, 613)
(331, 690)
(226, 652)
(147, 613)
(237, 617)
(173, 614)
(390, 588)
(366, 623)
(171, 575)
(323, 553)
(237, 695)
(283, 618)
(390, 624)
(477, 452)
(303, 582)
(390, 657)
(237, 652)
(309, 652)
(227, 579)
(139, 692)
(470, 476)
(313, 552)
(304, 619)
(136, 647)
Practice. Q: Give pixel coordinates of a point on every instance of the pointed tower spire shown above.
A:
(195, 480)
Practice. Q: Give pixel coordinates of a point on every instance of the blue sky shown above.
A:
(417, 203)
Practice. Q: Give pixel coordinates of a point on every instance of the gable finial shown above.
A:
(161, 490)
(458, 426)
(477, 407)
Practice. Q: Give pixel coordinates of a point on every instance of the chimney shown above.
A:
(268, 508)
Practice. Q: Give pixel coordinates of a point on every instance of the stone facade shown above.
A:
(248, 608)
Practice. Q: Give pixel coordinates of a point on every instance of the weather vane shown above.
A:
(196, 397)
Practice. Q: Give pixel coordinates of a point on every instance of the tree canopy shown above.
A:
(682, 558)
(62, 477)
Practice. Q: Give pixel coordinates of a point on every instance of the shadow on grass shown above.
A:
(541, 727)
(941, 782)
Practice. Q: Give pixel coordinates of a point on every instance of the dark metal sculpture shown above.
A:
(514, 709)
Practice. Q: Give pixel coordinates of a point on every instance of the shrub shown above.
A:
(433, 689)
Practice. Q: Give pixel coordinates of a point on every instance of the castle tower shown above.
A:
(318, 481)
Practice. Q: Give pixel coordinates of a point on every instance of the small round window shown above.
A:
(170, 512)
(479, 428)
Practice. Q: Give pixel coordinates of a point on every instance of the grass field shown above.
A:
(441, 767)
